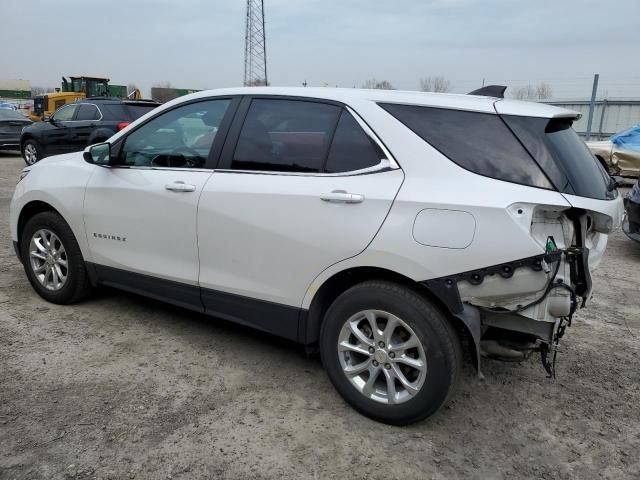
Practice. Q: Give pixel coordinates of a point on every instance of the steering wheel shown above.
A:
(193, 160)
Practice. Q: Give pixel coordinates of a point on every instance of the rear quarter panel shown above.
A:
(502, 211)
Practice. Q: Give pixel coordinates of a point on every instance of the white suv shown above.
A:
(385, 229)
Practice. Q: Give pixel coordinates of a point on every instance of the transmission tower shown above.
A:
(255, 46)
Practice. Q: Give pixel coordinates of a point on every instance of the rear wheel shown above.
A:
(389, 352)
(52, 259)
(31, 152)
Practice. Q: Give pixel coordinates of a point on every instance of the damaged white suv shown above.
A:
(385, 229)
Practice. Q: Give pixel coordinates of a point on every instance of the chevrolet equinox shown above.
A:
(390, 231)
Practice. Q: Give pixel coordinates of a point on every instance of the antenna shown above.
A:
(255, 46)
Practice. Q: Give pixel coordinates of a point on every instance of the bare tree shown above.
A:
(532, 92)
(372, 83)
(40, 90)
(543, 90)
(258, 82)
(435, 84)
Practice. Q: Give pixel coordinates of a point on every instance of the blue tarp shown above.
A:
(629, 139)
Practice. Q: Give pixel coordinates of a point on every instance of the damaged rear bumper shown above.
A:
(515, 308)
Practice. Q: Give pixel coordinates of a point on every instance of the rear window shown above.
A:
(479, 142)
(136, 111)
(122, 112)
(564, 156)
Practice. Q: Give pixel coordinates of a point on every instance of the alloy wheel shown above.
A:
(30, 153)
(382, 356)
(48, 259)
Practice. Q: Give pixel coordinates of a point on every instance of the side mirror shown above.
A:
(98, 154)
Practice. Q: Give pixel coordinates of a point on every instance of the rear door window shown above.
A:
(285, 136)
(478, 142)
(352, 149)
(87, 112)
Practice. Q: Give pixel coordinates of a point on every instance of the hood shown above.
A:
(65, 157)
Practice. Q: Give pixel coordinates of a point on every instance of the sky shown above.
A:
(199, 44)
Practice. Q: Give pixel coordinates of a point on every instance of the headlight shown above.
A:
(23, 174)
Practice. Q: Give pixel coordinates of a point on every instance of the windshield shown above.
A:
(562, 154)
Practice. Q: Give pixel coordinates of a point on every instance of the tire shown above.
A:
(31, 152)
(75, 285)
(439, 351)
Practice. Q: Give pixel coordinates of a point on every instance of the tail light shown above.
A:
(122, 125)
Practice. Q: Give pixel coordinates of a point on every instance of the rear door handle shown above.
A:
(180, 187)
(341, 196)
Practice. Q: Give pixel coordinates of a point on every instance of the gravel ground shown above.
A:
(124, 387)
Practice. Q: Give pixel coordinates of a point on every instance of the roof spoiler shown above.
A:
(490, 91)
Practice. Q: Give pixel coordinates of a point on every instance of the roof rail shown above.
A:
(490, 91)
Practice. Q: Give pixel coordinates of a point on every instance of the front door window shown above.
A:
(179, 138)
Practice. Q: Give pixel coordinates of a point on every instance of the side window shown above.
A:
(87, 112)
(352, 149)
(478, 142)
(179, 138)
(65, 113)
(285, 136)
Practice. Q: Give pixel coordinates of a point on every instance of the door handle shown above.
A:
(341, 196)
(180, 187)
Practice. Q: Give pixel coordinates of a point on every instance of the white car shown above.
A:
(384, 229)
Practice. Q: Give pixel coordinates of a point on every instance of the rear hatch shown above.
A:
(567, 162)
(127, 111)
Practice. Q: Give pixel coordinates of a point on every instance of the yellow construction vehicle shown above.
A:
(74, 89)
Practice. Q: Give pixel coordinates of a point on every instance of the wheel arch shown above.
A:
(102, 133)
(24, 138)
(29, 210)
(338, 283)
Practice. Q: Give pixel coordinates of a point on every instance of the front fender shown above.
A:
(60, 182)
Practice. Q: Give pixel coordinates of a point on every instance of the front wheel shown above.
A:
(389, 352)
(31, 152)
(52, 259)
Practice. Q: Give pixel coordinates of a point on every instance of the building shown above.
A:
(610, 116)
(15, 89)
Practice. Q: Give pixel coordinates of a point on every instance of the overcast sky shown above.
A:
(200, 43)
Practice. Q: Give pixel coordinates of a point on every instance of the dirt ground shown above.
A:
(121, 387)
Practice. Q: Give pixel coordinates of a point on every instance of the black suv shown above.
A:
(74, 126)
